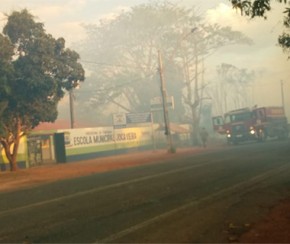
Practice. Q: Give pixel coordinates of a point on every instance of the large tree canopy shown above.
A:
(260, 8)
(36, 69)
(256, 8)
(122, 55)
(124, 58)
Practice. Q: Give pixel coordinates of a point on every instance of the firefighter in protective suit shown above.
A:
(203, 136)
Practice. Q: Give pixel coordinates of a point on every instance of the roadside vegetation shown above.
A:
(260, 8)
(35, 71)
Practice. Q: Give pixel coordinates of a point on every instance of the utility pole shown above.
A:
(282, 95)
(164, 106)
(71, 109)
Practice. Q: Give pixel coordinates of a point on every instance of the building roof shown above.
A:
(59, 124)
(175, 128)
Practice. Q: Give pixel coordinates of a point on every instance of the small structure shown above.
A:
(180, 134)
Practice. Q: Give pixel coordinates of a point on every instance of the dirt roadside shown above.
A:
(24, 178)
(273, 228)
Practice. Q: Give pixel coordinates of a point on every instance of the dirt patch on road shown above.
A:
(273, 228)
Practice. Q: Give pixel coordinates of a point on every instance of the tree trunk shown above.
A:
(11, 158)
(195, 126)
(7, 144)
(194, 106)
(13, 163)
(8, 154)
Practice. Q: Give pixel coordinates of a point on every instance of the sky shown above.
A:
(64, 18)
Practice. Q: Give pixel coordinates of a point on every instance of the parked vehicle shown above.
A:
(248, 124)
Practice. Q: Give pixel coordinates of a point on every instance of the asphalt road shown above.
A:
(208, 197)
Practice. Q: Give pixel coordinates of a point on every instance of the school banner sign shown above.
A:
(76, 138)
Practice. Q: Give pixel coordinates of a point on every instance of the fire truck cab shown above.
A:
(252, 124)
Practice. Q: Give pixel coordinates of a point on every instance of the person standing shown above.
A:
(204, 136)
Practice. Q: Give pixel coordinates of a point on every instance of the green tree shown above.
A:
(6, 70)
(260, 8)
(36, 72)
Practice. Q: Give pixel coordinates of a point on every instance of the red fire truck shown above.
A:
(257, 124)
